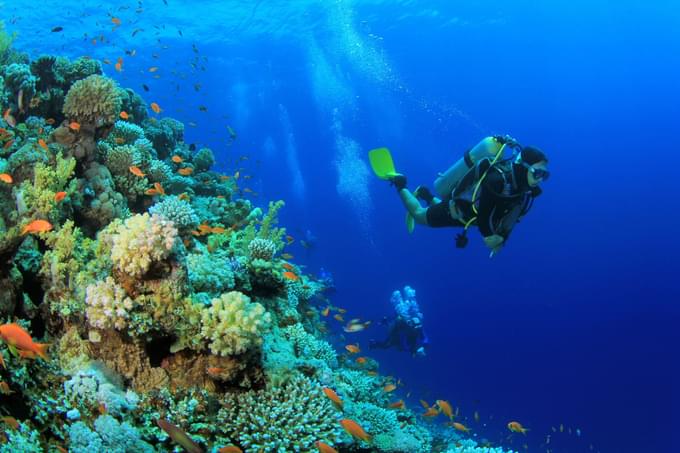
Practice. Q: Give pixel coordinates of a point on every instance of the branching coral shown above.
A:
(287, 417)
(108, 305)
(233, 324)
(93, 100)
(177, 211)
(109, 435)
(263, 249)
(141, 241)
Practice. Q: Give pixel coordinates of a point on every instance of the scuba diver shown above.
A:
(405, 330)
(482, 188)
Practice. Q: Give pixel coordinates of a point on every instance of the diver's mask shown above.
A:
(539, 174)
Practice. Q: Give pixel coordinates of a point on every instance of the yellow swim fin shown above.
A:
(410, 222)
(382, 163)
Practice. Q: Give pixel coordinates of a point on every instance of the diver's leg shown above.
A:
(447, 181)
(413, 206)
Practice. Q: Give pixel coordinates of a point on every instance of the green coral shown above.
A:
(38, 195)
(93, 100)
(204, 159)
(211, 273)
(234, 324)
(289, 417)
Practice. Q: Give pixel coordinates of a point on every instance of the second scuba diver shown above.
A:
(480, 189)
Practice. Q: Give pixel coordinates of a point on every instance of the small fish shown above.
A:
(186, 171)
(50, 121)
(287, 256)
(354, 430)
(119, 65)
(9, 119)
(360, 360)
(397, 405)
(124, 115)
(431, 412)
(353, 348)
(2, 361)
(288, 266)
(20, 100)
(4, 388)
(106, 61)
(37, 226)
(290, 239)
(57, 29)
(116, 21)
(153, 69)
(155, 107)
(136, 171)
(204, 228)
(10, 421)
(338, 318)
(197, 87)
(460, 427)
(179, 436)
(333, 397)
(6, 178)
(184, 196)
(146, 88)
(516, 427)
(445, 407)
(326, 311)
(59, 196)
(177, 159)
(230, 449)
(15, 336)
(232, 133)
(42, 144)
(74, 126)
(215, 370)
(218, 230)
(476, 416)
(237, 175)
(356, 327)
(324, 448)
(342, 310)
(202, 108)
(389, 388)
(159, 188)
(8, 144)
(291, 276)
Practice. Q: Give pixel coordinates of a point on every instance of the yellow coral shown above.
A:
(234, 324)
(93, 100)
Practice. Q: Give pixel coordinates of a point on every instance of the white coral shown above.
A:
(141, 241)
(107, 305)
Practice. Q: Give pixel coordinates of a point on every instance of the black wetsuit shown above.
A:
(504, 197)
(403, 337)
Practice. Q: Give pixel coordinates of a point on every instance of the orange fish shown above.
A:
(291, 276)
(179, 436)
(116, 21)
(27, 355)
(354, 430)
(2, 361)
(16, 337)
(4, 388)
(124, 115)
(230, 449)
(59, 196)
(74, 126)
(50, 121)
(8, 144)
(6, 178)
(151, 192)
(155, 107)
(42, 144)
(184, 196)
(516, 427)
(338, 318)
(397, 405)
(431, 412)
(460, 427)
(136, 171)
(326, 311)
(215, 370)
(445, 407)
(118, 66)
(11, 421)
(37, 226)
(287, 266)
(324, 448)
(389, 388)
(185, 171)
(353, 348)
(333, 397)
(159, 188)
(9, 119)
(177, 159)
(424, 404)
(217, 230)
(360, 360)
(204, 228)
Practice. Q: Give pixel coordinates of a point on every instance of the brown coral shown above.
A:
(94, 100)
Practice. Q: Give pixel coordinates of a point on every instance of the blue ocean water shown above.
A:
(575, 322)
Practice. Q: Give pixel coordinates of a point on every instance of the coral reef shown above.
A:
(93, 100)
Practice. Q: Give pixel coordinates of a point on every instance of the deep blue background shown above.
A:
(576, 321)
